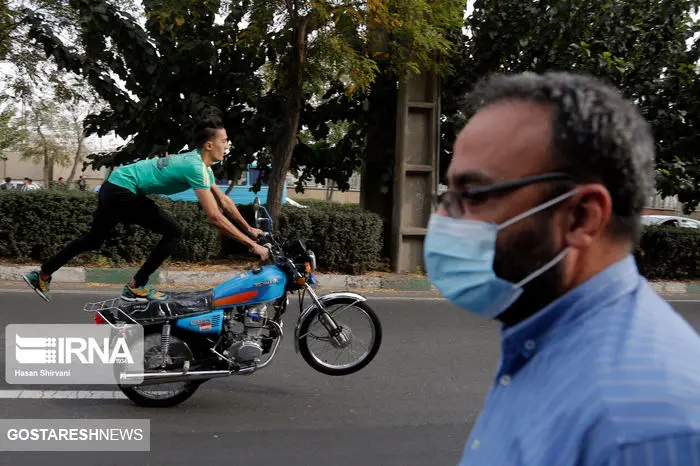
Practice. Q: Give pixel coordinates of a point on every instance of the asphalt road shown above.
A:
(414, 405)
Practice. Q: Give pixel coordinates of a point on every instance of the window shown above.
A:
(254, 175)
(241, 181)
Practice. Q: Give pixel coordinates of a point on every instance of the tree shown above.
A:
(76, 116)
(28, 65)
(320, 37)
(637, 45)
(46, 143)
(300, 45)
(174, 72)
(675, 114)
(11, 128)
(29, 77)
(362, 42)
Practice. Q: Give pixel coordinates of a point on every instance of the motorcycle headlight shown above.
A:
(312, 257)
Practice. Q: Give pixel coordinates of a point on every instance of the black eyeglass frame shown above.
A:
(473, 193)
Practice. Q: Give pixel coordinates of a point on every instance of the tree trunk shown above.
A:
(230, 187)
(49, 169)
(77, 161)
(284, 147)
(48, 163)
(281, 160)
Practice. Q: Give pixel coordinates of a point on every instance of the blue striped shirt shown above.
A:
(609, 374)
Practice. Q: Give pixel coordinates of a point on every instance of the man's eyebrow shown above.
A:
(470, 178)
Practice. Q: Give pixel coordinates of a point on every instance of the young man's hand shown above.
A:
(255, 232)
(261, 251)
(215, 217)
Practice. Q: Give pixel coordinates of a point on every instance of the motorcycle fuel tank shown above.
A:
(252, 287)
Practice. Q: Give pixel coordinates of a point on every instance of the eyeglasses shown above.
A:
(453, 200)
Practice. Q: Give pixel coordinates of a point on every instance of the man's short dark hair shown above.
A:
(8, 179)
(206, 129)
(598, 136)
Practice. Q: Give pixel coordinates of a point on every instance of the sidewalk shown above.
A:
(326, 282)
(389, 282)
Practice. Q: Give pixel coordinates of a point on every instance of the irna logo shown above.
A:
(69, 350)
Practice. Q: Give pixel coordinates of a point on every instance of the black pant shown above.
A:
(119, 205)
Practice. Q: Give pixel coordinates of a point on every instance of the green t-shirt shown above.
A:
(164, 175)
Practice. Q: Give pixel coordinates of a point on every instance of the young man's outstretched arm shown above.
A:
(229, 206)
(211, 207)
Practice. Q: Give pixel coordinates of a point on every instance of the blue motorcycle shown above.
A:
(236, 327)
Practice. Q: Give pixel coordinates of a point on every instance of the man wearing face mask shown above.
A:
(537, 230)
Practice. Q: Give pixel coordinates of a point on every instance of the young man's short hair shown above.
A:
(205, 130)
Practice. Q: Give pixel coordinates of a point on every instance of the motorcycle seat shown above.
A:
(176, 305)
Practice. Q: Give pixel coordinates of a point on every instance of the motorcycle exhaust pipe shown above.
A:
(156, 378)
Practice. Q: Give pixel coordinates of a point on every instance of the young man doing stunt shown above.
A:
(123, 199)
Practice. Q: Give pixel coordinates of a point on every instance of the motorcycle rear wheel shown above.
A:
(145, 396)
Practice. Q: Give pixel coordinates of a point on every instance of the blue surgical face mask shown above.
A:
(459, 256)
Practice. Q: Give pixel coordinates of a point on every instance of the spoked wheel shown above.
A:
(360, 325)
(166, 394)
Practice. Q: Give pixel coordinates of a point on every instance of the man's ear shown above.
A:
(589, 215)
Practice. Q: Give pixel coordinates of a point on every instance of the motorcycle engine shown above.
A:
(247, 347)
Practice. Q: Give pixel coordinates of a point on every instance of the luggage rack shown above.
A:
(145, 312)
(114, 307)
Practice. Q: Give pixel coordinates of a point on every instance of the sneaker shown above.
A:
(144, 293)
(41, 287)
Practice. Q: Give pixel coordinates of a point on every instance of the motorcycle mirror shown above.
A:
(256, 210)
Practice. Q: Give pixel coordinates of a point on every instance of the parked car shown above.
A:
(18, 185)
(670, 220)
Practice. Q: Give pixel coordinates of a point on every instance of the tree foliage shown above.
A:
(265, 79)
(173, 72)
(50, 129)
(640, 46)
(26, 65)
(402, 37)
(48, 141)
(11, 128)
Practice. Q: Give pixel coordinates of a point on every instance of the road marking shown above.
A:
(62, 394)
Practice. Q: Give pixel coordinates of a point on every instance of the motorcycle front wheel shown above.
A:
(360, 325)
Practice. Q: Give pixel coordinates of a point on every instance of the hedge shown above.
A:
(36, 224)
(346, 239)
(669, 253)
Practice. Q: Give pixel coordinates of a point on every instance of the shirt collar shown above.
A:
(521, 342)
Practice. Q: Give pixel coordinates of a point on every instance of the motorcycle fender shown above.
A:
(324, 299)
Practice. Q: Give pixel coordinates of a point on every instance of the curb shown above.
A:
(672, 288)
(325, 281)
(195, 277)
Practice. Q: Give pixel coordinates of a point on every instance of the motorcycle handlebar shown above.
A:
(274, 249)
(266, 240)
